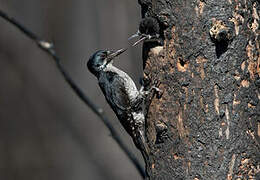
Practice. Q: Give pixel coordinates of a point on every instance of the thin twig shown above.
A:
(49, 48)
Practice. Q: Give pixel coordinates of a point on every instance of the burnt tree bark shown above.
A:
(206, 125)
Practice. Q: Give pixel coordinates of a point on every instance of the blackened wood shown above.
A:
(206, 124)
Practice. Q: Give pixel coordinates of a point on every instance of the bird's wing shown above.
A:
(117, 93)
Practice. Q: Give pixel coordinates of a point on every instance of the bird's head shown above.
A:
(149, 28)
(101, 59)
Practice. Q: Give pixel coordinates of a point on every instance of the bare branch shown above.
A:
(49, 48)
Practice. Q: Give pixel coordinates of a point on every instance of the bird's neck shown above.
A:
(111, 68)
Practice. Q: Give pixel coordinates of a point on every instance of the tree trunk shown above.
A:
(206, 125)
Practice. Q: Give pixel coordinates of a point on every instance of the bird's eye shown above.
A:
(104, 55)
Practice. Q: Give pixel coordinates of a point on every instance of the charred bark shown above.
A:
(206, 125)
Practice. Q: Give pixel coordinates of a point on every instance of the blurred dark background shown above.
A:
(46, 132)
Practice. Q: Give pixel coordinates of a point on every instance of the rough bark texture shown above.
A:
(206, 124)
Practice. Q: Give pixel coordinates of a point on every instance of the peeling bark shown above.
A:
(206, 125)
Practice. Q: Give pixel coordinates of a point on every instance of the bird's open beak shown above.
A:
(112, 54)
(140, 40)
(138, 34)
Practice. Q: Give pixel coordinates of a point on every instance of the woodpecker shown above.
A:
(149, 29)
(121, 94)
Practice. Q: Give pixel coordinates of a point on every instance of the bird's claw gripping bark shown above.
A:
(155, 88)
